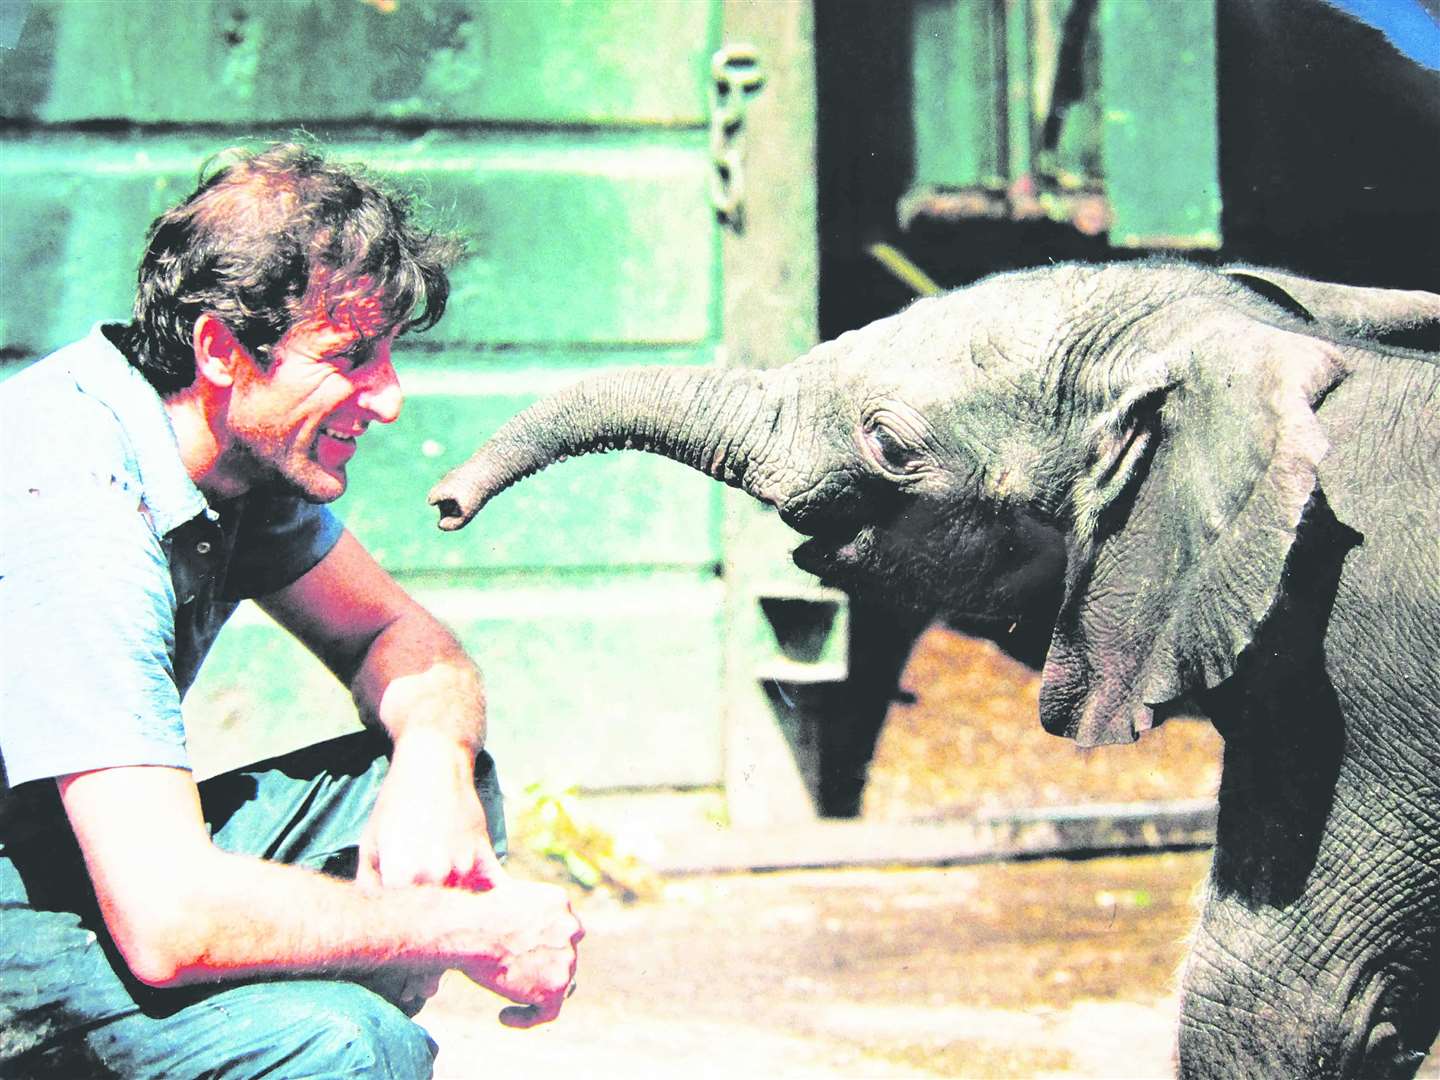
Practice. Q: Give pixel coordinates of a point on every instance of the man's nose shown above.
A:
(380, 393)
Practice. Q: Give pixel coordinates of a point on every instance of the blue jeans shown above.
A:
(69, 1006)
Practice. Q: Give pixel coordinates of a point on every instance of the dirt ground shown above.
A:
(1041, 969)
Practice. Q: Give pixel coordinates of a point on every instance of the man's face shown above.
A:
(329, 377)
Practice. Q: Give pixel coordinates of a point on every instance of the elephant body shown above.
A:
(1328, 850)
(1214, 490)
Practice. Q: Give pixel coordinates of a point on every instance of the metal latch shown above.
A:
(735, 77)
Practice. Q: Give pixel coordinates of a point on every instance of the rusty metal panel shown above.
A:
(1099, 113)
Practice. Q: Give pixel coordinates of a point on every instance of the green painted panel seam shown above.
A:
(428, 354)
(580, 577)
(618, 154)
(603, 597)
(538, 60)
(418, 380)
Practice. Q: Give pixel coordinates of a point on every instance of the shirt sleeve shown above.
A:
(87, 604)
(280, 538)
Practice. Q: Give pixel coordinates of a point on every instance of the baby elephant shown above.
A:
(1220, 488)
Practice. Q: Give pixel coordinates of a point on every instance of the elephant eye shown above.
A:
(889, 451)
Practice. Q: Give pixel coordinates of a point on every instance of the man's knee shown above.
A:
(303, 1028)
(345, 1029)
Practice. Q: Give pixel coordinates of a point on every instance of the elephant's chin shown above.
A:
(850, 563)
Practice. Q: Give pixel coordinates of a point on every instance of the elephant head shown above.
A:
(1123, 453)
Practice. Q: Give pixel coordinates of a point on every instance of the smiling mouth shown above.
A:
(333, 448)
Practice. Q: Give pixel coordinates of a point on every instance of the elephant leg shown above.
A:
(1318, 949)
(1320, 988)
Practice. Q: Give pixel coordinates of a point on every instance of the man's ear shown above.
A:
(217, 351)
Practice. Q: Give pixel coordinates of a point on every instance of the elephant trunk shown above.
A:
(708, 419)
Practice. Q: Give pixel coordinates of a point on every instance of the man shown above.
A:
(283, 920)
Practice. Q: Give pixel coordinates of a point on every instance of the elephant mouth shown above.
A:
(829, 554)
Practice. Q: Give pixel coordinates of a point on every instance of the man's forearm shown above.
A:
(410, 677)
(415, 679)
(181, 910)
(428, 826)
(240, 916)
(253, 918)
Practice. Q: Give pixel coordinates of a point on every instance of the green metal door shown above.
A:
(1100, 113)
(570, 140)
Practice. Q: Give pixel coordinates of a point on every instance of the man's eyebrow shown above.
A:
(361, 349)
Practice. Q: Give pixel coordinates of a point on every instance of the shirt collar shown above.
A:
(171, 496)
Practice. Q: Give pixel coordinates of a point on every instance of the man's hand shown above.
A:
(532, 960)
(428, 826)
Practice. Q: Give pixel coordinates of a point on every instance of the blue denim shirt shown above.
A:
(115, 572)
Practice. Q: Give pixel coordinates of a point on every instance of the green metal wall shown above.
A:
(637, 628)
(570, 140)
(1070, 109)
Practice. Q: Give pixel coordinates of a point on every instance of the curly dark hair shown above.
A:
(260, 232)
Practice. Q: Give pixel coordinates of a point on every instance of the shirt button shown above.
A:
(203, 547)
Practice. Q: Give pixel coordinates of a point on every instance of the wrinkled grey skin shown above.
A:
(1219, 487)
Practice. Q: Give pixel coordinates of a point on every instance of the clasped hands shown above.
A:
(428, 827)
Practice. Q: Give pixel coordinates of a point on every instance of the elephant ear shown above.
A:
(1393, 316)
(1199, 472)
